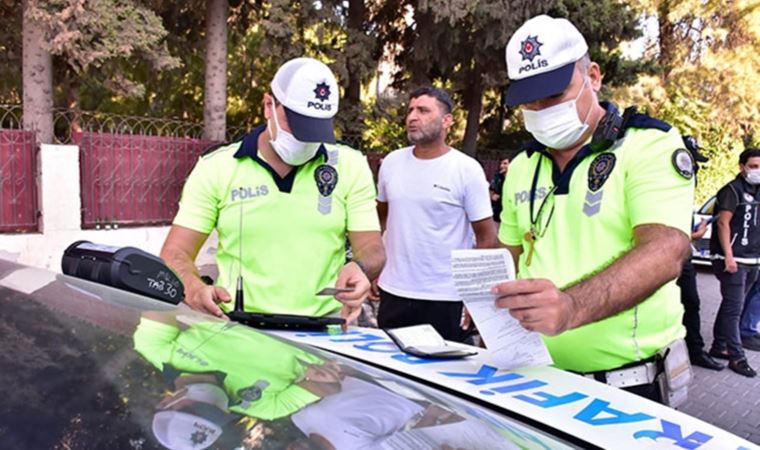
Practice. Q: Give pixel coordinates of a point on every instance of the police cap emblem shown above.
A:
(600, 170)
(322, 91)
(198, 438)
(327, 178)
(683, 162)
(530, 48)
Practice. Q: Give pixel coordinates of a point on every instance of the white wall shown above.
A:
(60, 202)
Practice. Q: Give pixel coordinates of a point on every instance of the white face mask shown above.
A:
(753, 176)
(557, 127)
(288, 148)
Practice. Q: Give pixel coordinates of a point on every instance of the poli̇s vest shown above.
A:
(745, 230)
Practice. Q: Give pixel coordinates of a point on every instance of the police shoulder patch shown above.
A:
(327, 178)
(600, 170)
(683, 162)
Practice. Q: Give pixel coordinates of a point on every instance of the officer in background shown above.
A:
(735, 246)
(283, 199)
(596, 215)
(688, 283)
(497, 186)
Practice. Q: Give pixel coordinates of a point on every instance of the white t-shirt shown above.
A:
(361, 415)
(431, 203)
(467, 434)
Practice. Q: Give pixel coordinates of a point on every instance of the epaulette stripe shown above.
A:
(215, 147)
(644, 121)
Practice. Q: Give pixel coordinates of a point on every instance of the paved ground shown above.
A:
(725, 399)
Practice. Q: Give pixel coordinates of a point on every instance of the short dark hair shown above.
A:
(751, 152)
(442, 96)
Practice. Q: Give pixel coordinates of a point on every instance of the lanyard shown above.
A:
(532, 198)
(534, 233)
(563, 179)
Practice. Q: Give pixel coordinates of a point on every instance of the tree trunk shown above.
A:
(424, 22)
(668, 39)
(473, 103)
(215, 90)
(37, 81)
(351, 104)
(71, 83)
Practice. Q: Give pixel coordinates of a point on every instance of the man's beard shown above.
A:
(424, 136)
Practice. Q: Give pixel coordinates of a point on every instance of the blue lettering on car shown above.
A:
(597, 412)
(673, 432)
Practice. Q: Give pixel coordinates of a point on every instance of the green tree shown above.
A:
(461, 44)
(95, 42)
(708, 55)
(474, 35)
(10, 52)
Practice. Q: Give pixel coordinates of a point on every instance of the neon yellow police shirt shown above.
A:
(258, 372)
(291, 231)
(637, 181)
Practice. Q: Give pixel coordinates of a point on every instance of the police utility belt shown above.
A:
(670, 368)
(644, 372)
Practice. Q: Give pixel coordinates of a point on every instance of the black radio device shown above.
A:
(263, 320)
(611, 127)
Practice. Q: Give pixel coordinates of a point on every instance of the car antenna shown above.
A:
(239, 296)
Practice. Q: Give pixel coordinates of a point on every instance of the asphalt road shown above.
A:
(725, 399)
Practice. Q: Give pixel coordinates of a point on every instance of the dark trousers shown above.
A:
(690, 300)
(445, 317)
(733, 289)
(750, 321)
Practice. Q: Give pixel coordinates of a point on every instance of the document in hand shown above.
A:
(509, 345)
(425, 342)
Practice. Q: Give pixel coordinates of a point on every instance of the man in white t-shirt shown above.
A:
(432, 199)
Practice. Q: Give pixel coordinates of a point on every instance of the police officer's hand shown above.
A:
(351, 275)
(466, 320)
(374, 291)
(537, 304)
(205, 298)
(700, 231)
(731, 265)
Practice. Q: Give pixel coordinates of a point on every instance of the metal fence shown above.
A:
(67, 122)
(18, 182)
(132, 168)
(132, 180)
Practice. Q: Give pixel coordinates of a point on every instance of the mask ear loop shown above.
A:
(588, 113)
(276, 122)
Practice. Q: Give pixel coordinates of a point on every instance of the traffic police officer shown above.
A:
(283, 199)
(596, 214)
(687, 281)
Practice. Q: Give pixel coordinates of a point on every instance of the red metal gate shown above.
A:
(132, 180)
(18, 182)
